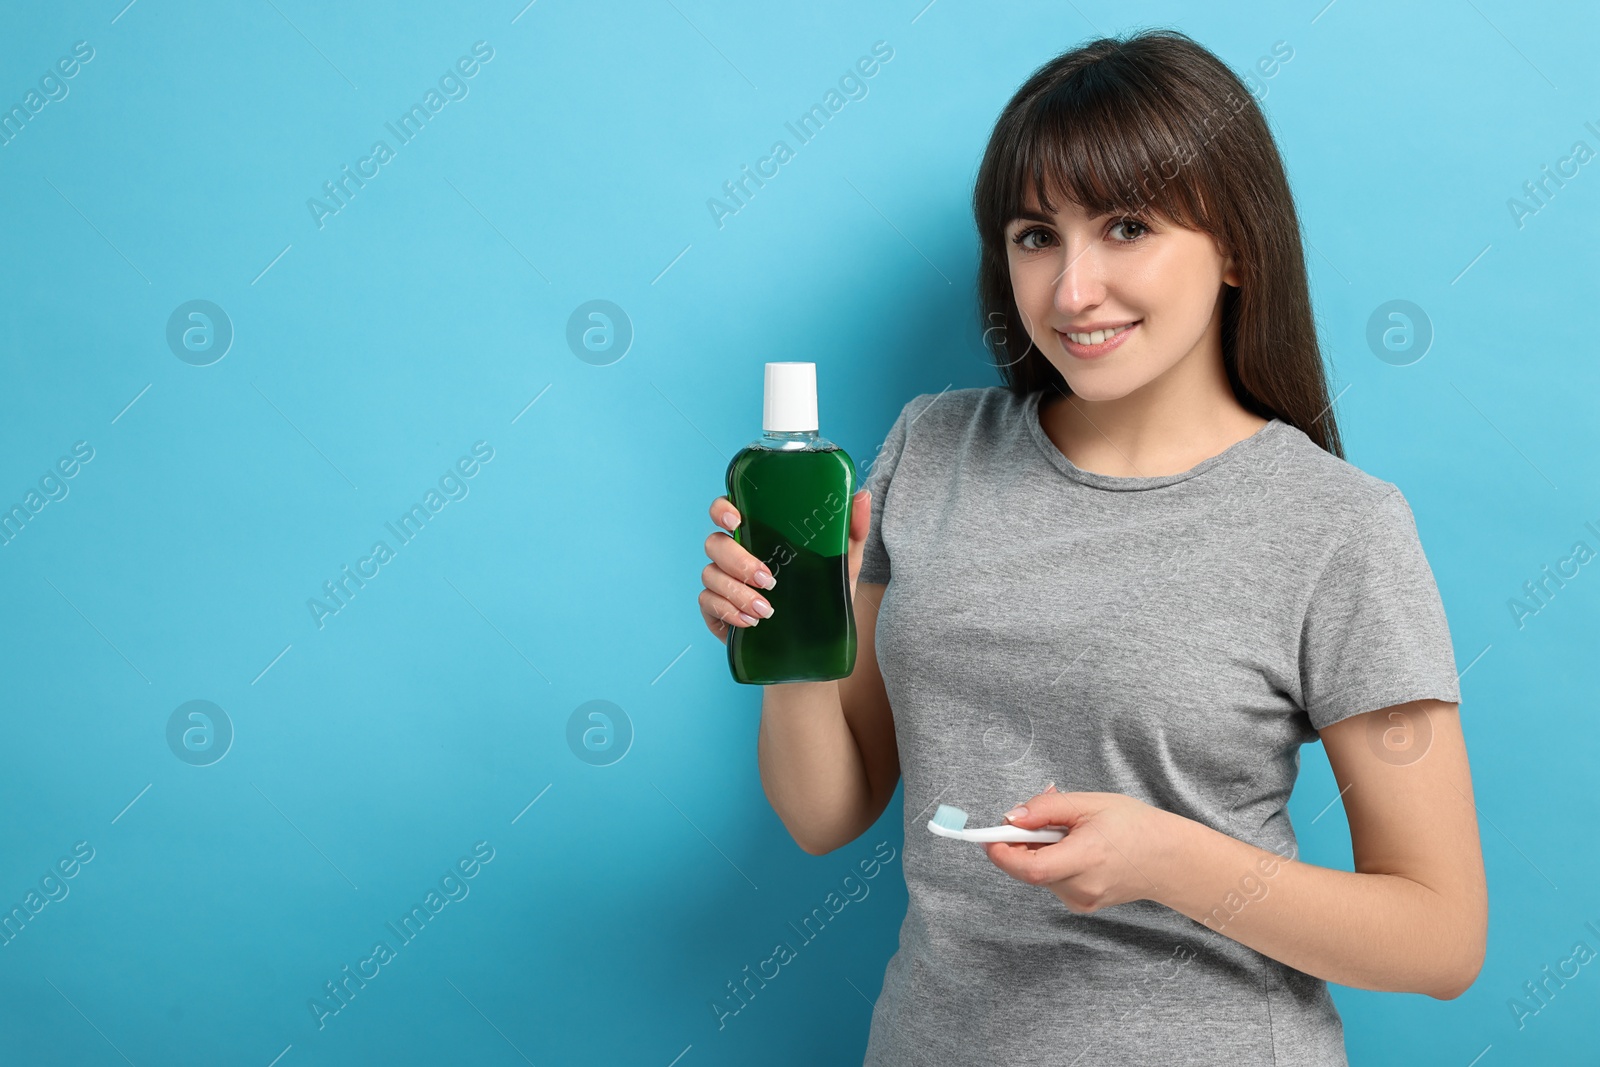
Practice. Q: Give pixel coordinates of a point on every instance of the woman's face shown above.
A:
(1071, 274)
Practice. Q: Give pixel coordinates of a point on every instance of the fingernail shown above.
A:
(1016, 813)
(730, 520)
(761, 608)
(748, 619)
(765, 579)
(1049, 787)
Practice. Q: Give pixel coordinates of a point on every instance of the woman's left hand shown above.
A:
(1115, 850)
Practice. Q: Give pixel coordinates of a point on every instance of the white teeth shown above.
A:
(1098, 336)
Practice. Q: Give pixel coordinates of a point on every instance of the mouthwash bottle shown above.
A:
(792, 487)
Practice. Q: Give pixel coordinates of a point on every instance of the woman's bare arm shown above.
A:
(827, 752)
(1412, 917)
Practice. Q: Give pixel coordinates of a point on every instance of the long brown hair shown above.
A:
(1156, 123)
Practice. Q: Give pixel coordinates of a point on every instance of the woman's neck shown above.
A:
(1145, 440)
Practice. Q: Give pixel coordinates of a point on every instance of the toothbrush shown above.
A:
(950, 822)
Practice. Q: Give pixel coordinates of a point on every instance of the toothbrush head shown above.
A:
(949, 818)
(952, 822)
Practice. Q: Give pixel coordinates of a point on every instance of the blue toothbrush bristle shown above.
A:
(950, 818)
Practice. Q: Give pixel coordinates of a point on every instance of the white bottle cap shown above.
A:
(790, 399)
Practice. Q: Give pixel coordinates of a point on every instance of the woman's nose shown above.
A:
(1079, 285)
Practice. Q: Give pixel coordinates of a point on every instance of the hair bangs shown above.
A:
(1109, 150)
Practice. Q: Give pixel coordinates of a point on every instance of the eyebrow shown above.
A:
(1036, 216)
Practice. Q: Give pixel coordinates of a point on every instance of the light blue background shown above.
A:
(427, 314)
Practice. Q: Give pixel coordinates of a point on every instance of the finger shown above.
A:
(719, 610)
(734, 559)
(724, 514)
(719, 628)
(1036, 866)
(1050, 808)
(861, 515)
(860, 524)
(744, 599)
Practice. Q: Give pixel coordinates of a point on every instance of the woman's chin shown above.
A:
(1094, 388)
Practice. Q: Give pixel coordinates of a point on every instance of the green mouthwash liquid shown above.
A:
(793, 488)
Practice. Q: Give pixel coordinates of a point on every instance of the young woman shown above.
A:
(1141, 570)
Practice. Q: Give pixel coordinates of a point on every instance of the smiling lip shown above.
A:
(1096, 351)
(1091, 328)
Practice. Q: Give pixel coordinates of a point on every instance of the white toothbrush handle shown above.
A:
(1015, 834)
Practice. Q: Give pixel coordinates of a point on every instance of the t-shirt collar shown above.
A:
(1121, 483)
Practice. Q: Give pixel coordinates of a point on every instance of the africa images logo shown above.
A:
(453, 485)
(453, 886)
(452, 86)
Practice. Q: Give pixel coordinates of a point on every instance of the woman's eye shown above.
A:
(1021, 239)
(1140, 228)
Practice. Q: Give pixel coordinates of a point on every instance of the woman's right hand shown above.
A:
(729, 597)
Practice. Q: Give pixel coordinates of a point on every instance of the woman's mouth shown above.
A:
(1097, 343)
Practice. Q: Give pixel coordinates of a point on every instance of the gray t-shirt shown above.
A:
(1176, 638)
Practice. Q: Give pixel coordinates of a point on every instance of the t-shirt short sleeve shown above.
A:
(874, 556)
(1375, 633)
